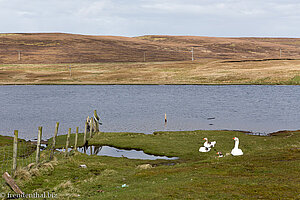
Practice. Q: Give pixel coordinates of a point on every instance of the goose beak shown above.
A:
(203, 139)
(233, 138)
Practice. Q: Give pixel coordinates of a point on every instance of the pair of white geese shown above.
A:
(208, 145)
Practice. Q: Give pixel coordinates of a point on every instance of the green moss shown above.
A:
(6, 140)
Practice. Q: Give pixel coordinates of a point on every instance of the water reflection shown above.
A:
(115, 152)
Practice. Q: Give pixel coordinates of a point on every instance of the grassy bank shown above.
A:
(267, 170)
(6, 140)
(204, 71)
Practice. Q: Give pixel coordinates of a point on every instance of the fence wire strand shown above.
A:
(6, 156)
(25, 155)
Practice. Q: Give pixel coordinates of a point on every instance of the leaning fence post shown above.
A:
(76, 138)
(96, 121)
(54, 140)
(68, 141)
(91, 126)
(15, 151)
(84, 135)
(10, 181)
(38, 145)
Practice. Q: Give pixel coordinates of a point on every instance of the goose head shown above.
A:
(205, 139)
(235, 139)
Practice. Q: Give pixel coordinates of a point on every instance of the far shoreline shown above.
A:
(275, 133)
(144, 84)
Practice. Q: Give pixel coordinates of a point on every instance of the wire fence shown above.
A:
(6, 156)
(23, 156)
(17, 154)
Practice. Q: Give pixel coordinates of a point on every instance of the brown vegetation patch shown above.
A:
(183, 72)
(80, 59)
(71, 48)
(6, 74)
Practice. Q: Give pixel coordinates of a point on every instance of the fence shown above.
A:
(18, 154)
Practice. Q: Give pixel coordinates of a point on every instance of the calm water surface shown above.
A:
(115, 152)
(141, 108)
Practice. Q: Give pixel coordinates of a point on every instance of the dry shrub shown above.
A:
(66, 185)
(66, 189)
(22, 174)
(54, 162)
(30, 166)
(69, 195)
(48, 166)
(35, 172)
(144, 166)
(109, 172)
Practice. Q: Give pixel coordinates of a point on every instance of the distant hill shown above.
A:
(70, 48)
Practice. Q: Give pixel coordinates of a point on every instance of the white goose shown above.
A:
(209, 144)
(236, 151)
(204, 149)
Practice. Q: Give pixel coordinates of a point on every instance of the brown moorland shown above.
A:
(58, 58)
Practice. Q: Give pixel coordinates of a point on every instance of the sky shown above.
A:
(222, 18)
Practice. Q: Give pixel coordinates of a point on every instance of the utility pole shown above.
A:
(70, 71)
(19, 55)
(192, 53)
(280, 52)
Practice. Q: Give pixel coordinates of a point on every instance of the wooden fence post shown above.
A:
(84, 135)
(96, 121)
(15, 151)
(54, 141)
(76, 139)
(10, 181)
(91, 126)
(38, 145)
(68, 141)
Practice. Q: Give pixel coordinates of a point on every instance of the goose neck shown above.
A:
(236, 145)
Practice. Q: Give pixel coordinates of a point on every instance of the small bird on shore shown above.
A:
(220, 154)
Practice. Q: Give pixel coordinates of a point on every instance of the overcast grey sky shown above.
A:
(274, 18)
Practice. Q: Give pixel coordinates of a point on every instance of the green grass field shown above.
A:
(267, 170)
